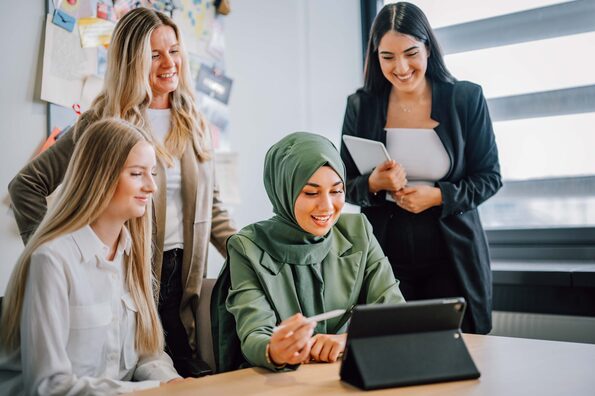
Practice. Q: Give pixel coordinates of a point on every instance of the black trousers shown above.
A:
(421, 262)
(170, 297)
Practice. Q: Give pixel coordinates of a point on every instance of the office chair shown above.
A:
(204, 337)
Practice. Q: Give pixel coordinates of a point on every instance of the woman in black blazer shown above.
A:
(431, 234)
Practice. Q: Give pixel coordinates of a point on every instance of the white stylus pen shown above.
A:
(320, 317)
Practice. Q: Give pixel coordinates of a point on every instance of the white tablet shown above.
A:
(367, 154)
(420, 152)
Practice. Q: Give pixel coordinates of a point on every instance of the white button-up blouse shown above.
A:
(78, 325)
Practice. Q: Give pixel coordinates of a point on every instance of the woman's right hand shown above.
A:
(388, 176)
(290, 342)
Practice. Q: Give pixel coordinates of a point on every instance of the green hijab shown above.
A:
(288, 166)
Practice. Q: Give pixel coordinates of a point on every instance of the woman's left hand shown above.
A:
(327, 347)
(416, 199)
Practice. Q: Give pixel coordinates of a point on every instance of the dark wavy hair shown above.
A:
(404, 18)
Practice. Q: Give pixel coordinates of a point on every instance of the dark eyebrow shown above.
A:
(407, 50)
(316, 185)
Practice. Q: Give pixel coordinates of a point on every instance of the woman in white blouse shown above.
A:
(79, 315)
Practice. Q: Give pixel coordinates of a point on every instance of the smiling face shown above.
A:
(403, 61)
(135, 184)
(320, 202)
(166, 62)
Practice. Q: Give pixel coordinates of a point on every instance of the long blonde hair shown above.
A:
(127, 92)
(89, 184)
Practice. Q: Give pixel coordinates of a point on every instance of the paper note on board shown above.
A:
(91, 88)
(95, 32)
(226, 168)
(65, 65)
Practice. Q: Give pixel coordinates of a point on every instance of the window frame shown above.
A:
(533, 244)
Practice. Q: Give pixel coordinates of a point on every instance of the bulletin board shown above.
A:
(77, 35)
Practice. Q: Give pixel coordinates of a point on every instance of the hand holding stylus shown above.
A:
(292, 339)
(290, 342)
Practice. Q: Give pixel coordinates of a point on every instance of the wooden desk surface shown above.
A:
(508, 366)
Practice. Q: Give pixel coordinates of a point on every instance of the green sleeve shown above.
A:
(247, 302)
(380, 285)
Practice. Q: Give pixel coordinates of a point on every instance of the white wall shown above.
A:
(22, 114)
(294, 62)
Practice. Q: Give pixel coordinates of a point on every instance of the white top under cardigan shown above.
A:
(78, 325)
(160, 120)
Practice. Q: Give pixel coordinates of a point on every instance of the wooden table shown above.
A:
(508, 366)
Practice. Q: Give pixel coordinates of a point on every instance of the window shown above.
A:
(535, 62)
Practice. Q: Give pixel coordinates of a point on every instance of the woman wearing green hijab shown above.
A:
(305, 260)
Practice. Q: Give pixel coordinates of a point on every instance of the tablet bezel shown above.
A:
(410, 317)
(366, 153)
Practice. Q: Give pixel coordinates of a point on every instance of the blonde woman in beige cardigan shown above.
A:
(148, 84)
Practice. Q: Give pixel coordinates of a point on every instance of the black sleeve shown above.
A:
(482, 169)
(356, 190)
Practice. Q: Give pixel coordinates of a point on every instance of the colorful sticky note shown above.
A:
(63, 20)
(105, 11)
(95, 32)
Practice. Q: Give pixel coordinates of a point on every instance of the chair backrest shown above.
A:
(205, 339)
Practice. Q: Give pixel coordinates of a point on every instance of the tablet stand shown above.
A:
(406, 358)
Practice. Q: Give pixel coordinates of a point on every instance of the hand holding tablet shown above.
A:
(367, 154)
(371, 156)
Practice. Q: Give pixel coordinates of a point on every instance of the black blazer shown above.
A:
(474, 176)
